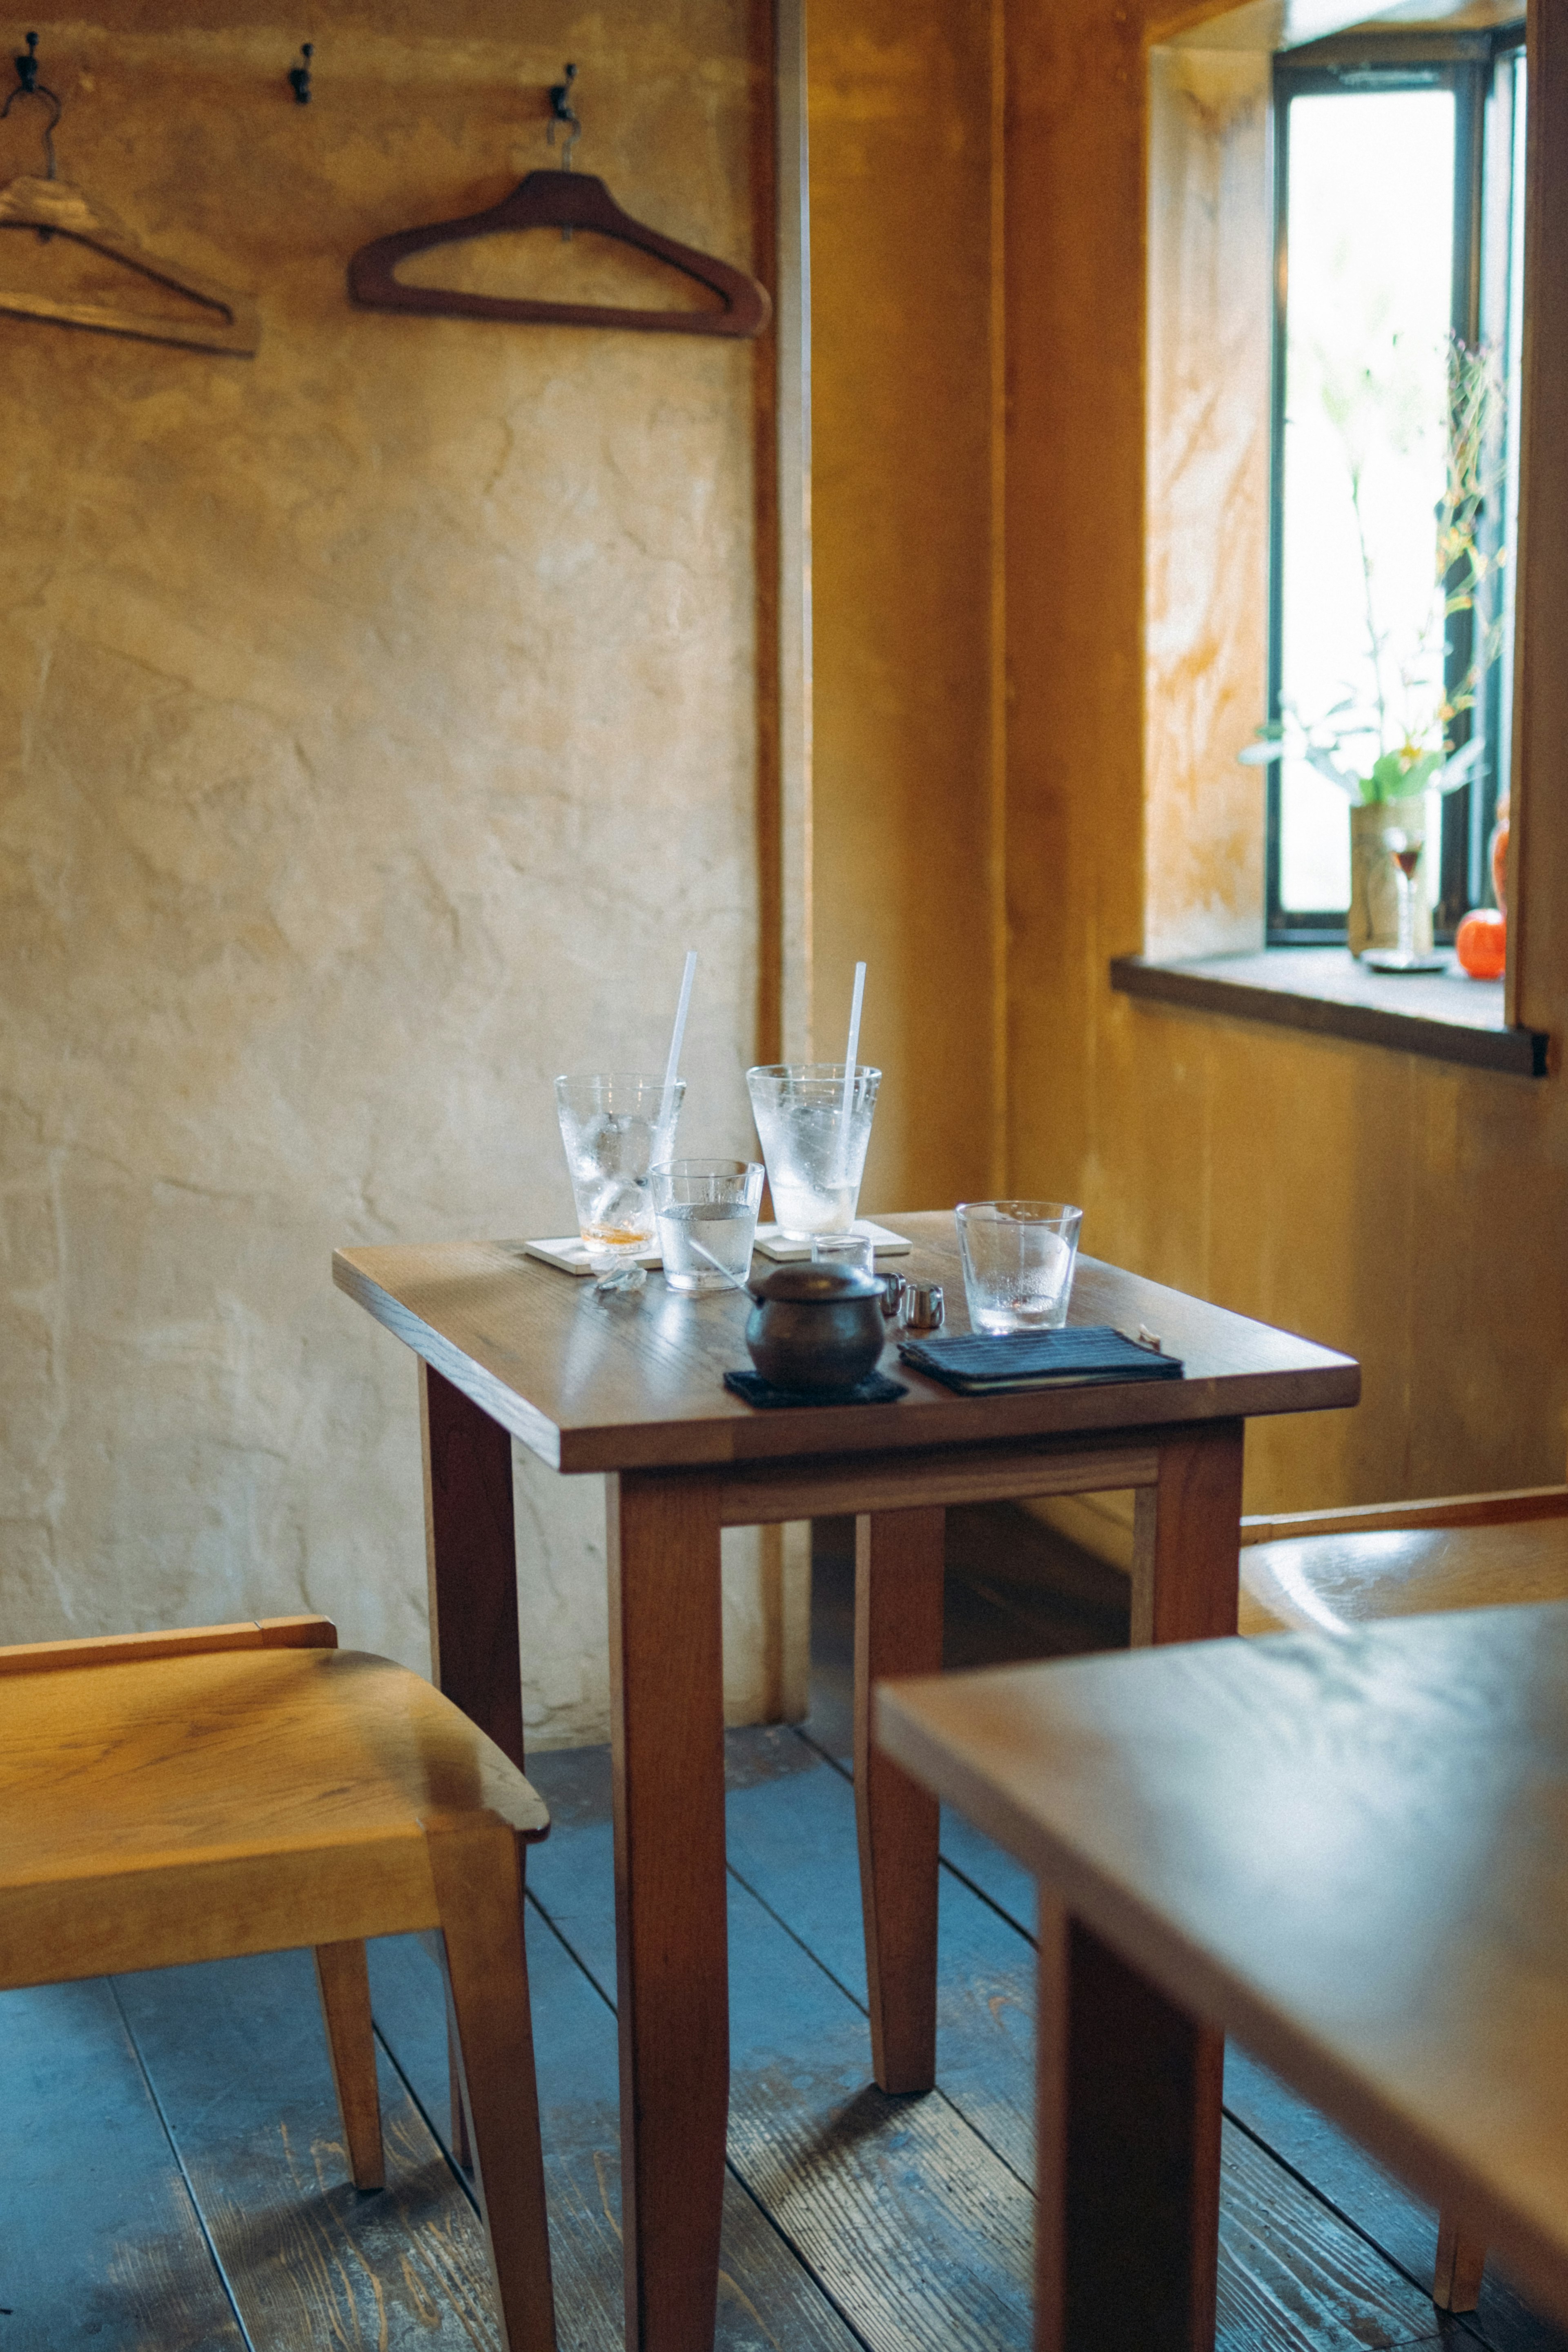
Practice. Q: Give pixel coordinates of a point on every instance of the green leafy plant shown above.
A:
(1397, 740)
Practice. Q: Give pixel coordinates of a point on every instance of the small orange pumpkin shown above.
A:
(1481, 944)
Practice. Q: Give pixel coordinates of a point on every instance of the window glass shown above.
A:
(1399, 290)
(1370, 244)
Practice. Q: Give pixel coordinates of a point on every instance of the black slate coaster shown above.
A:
(878, 1388)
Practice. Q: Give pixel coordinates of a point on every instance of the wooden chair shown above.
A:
(1328, 1571)
(193, 1796)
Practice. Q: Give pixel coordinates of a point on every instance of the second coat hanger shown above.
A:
(565, 200)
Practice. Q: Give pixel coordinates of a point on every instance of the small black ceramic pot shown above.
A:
(814, 1327)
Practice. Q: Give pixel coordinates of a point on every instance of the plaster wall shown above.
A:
(1410, 1213)
(378, 727)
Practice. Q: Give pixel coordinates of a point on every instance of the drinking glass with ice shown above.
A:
(614, 1126)
(815, 1128)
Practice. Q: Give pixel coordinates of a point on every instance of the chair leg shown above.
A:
(477, 1864)
(344, 1983)
(1461, 2263)
(461, 2142)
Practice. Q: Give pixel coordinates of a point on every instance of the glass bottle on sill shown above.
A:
(1404, 846)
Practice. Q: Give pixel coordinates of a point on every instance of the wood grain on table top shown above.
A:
(620, 1384)
(1352, 1853)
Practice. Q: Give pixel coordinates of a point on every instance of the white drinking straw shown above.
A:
(850, 1050)
(733, 1280)
(672, 1067)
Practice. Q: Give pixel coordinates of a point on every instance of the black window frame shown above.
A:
(1467, 64)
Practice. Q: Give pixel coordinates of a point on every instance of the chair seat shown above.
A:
(288, 1787)
(1318, 1584)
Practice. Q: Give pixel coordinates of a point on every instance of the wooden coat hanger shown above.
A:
(565, 200)
(54, 208)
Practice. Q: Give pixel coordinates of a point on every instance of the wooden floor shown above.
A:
(174, 2177)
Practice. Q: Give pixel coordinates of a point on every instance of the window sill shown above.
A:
(1446, 1015)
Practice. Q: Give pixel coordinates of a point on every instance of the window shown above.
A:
(1399, 229)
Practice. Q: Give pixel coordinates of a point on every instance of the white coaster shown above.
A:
(571, 1255)
(772, 1243)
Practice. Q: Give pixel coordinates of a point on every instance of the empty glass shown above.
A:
(615, 1127)
(848, 1253)
(705, 1209)
(1018, 1260)
(815, 1154)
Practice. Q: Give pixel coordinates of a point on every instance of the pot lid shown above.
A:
(815, 1285)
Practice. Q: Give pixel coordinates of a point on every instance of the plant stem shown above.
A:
(1375, 640)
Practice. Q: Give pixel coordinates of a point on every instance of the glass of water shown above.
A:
(614, 1126)
(1018, 1262)
(706, 1205)
(815, 1154)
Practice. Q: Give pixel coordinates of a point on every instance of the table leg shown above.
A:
(1186, 1543)
(1127, 2229)
(898, 1631)
(1130, 2087)
(667, 1717)
(470, 1551)
(470, 1544)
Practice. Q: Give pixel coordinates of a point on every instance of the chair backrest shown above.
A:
(182, 1641)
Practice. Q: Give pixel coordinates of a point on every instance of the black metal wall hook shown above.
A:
(561, 110)
(300, 75)
(29, 86)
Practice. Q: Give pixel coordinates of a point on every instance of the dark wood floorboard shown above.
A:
(1356, 2185)
(764, 2299)
(915, 2227)
(1291, 2273)
(238, 2055)
(101, 2244)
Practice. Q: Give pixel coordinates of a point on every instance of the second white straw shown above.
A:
(672, 1067)
(850, 1050)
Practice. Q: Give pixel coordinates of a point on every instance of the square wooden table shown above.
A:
(1350, 1853)
(633, 1388)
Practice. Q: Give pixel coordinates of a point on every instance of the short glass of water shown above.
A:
(813, 1141)
(707, 1213)
(1018, 1262)
(614, 1126)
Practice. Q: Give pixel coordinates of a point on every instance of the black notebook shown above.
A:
(1088, 1356)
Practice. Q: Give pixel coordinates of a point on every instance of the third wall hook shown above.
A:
(300, 75)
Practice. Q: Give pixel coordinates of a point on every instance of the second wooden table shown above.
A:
(634, 1390)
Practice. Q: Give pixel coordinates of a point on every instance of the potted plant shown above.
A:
(1391, 739)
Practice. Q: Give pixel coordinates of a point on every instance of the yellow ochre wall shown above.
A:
(378, 725)
(902, 161)
(1410, 1212)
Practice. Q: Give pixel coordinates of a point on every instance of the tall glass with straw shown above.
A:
(815, 1122)
(615, 1127)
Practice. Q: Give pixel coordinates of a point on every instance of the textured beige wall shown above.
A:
(376, 730)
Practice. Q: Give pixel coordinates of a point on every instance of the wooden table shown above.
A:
(633, 1389)
(1352, 1853)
